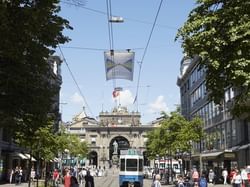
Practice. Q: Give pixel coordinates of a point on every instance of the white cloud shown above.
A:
(76, 99)
(125, 98)
(158, 105)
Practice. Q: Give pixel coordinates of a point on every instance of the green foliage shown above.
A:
(175, 134)
(29, 31)
(72, 143)
(218, 31)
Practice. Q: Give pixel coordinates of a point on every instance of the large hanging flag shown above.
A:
(119, 65)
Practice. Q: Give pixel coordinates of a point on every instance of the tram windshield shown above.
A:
(131, 165)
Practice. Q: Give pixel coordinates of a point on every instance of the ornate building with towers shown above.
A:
(115, 131)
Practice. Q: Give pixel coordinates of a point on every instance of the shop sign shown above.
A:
(229, 155)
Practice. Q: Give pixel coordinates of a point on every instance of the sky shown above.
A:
(84, 54)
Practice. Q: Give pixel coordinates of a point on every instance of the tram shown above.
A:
(131, 168)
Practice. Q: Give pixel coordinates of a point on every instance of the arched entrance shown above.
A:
(93, 158)
(122, 144)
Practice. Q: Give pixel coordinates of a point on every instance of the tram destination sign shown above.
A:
(131, 152)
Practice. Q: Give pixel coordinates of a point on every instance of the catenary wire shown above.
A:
(129, 19)
(74, 79)
(111, 38)
(97, 49)
(144, 54)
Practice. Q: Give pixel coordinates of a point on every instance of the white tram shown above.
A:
(131, 168)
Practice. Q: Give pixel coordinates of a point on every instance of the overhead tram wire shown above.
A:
(74, 79)
(144, 54)
(95, 49)
(111, 36)
(129, 19)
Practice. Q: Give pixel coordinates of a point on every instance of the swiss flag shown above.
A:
(115, 93)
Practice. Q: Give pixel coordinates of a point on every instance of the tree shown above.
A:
(174, 136)
(29, 31)
(218, 31)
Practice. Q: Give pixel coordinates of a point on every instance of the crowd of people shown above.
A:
(70, 179)
(236, 177)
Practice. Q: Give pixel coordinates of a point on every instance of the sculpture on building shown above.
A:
(115, 147)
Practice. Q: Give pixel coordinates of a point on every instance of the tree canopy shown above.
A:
(175, 134)
(29, 31)
(219, 31)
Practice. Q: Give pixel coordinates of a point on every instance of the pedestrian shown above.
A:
(11, 175)
(16, 175)
(211, 176)
(32, 175)
(180, 181)
(89, 180)
(156, 182)
(195, 175)
(225, 174)
(55, 177)
(73, 182)
(237, 180)
(232, 174)
(20, 175)
(67, 178)
(82, 175)
(203, 181)
(244, 177)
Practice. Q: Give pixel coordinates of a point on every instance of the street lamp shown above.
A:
(116, 19)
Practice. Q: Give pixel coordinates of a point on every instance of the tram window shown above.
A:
(140, 165)
(131, 165)
(122, 167)
(162, 165)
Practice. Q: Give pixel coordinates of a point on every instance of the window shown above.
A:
(122, 165)
(140, 165)
(131, 165)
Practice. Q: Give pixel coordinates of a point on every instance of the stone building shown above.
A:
(227, 141)
(119, 128)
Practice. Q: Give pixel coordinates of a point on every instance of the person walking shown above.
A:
(67, 178)
(225, 175)
(203, 181)
(195, 175)
(89, 180)
(32, 175)
(211, 176)
(237, 180)
(244, 177)
(156, 182)
(55, 178)
(11, 175)
(73, 182)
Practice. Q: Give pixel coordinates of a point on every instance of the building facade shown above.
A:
(119, 128)
(227, 138)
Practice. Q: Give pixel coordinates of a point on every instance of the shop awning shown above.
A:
(20, 155)
(211, 154)
(244, 146)
(28, 157)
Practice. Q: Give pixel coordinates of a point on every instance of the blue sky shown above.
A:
(160, 68)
